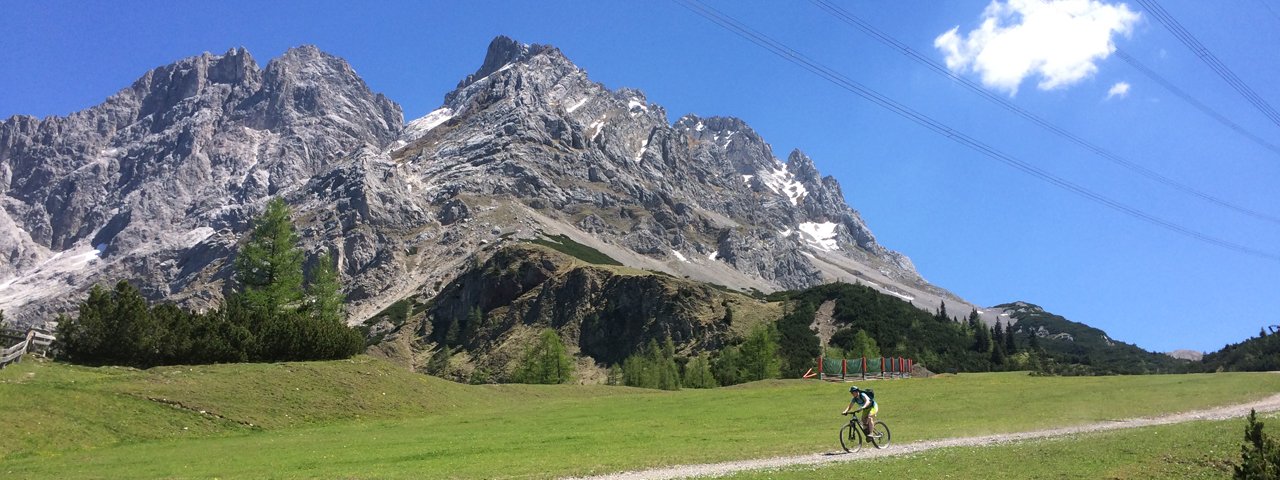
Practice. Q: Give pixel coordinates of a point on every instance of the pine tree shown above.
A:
(475, 319)
(981, 337)
(1010, 346)
(760, 354)
(327, 303)
(82, 338)
(798, 345)
(697, 374)
(997, 355)
(452, 334)
(669, 372)
(269, 266)
(614, 375)
(115, 327)
(726, 367)
(546, 361)
(864, 346)
(1260, 455)
(439, 361)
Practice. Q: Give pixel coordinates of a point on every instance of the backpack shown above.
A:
(871, 394)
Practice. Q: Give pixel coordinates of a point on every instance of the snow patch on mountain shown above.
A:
(578, 105)
(50, 277)
(637, 107)
(782, 182)
(417, 128)
(819, 235)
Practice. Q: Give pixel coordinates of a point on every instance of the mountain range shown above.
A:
(159, 183)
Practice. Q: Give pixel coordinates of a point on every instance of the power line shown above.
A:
(1186, 97)
(1210, 59)
(786, 53)
(870, 30)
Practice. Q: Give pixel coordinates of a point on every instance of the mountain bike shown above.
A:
(852, 435)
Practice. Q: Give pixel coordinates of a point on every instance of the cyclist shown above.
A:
(864, 403)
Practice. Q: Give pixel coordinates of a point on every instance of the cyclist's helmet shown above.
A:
(853, 389)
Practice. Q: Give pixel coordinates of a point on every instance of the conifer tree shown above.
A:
(1260, 455)
(668, 371)
(981, 337)
(1010, 346)
(327, 305)
(453, 333)
(475, 319)
(546, 361)
(269, 266)
(760, 354)
(864, 346)
(726, 366)
(697, 374)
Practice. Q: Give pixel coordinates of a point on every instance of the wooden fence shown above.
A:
(35, 342)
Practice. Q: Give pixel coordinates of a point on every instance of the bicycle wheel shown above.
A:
(882, 430)
(850, 438)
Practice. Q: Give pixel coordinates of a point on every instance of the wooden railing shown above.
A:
(35, 341)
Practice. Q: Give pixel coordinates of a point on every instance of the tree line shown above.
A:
(272, 315)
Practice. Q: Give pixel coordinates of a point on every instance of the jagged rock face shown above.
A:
(158, 183)
(604, 313)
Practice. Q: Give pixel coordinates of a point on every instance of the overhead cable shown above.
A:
(786, 53)
(1210, 59)
(870, 30)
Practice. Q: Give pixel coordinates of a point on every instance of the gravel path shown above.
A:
(1269, 404)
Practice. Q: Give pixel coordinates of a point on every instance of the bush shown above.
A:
(1260, 455)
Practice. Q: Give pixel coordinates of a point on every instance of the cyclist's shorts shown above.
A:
(871, 411)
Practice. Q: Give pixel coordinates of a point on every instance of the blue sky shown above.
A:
(971, 224)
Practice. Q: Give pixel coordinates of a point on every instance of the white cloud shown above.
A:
(1120, 89)
(1058, 41)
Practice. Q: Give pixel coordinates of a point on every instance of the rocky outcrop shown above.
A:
(605, 313)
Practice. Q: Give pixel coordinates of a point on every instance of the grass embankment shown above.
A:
(1188, 451)
(331, 419)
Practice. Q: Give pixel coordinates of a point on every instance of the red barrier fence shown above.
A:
(864, 368)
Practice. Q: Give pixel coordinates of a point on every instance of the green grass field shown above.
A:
(1187, 451)
(364, 418)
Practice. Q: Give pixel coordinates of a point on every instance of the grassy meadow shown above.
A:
(365, 418)
(1191, 450)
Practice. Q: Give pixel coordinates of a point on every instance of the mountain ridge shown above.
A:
(158, 183)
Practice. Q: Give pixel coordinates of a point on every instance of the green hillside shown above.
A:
(1076, 348)
(1257, 354)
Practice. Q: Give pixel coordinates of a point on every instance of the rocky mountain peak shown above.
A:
(305, 83)
(163, 88)
(504, 51)
(802, 167)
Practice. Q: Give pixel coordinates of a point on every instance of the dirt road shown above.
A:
(1269, 404)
